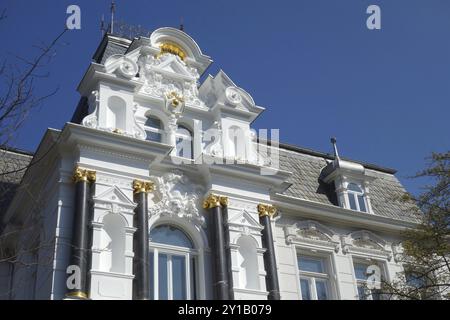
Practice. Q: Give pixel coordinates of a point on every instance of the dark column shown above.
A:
(141, 282)
(80, 234)
(214, 204)
(266, 212)
(227, 250)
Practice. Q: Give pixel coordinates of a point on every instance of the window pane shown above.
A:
(352, 202)
(376, 295)
(414, 280)
(321, 287)
(153, 123)
(182, 130)
(179, 277)
(362, 203)
(152, 283)
(154, 136)
(310, 264)
(360, 271)
(306, 293)
(162, 277)
(184, 147)
(354, 187)
(170, 235)
(362, 294)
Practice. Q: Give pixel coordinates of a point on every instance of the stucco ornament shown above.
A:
(233, 95)
(166, 74)
(122, 66)
(216, 149)
(90, 120)
(178, 197)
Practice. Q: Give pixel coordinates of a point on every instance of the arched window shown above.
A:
(356, 199)
(184, 142)
(172, 264)
(154, 129)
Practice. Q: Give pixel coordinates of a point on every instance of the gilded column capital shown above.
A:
(80, 174)
(266, 210)
(140, 186)
(213, 200)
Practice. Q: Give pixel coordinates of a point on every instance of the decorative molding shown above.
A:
(367, 243)
(233, 95)
(212, 201)
(266, 210)
(91, 120)
(140, 186)
(178, 197)
(80, 174)
(244, 223)
(312, 233)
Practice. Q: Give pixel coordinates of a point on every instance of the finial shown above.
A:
(334, 142)
(102, 25)
(181, 24)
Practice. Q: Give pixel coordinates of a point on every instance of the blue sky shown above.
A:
(313, 65)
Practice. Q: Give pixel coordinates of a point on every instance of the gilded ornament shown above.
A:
(80, 174)
(266, 210)
(213, 201)
(172, 49)
(140, 186)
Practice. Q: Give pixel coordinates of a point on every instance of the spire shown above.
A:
(113, 10)
(336, 153)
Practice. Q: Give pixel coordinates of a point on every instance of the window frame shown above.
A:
(159, 130)
(358, 282)
(189, 137)
(356, 195)
(312, 277)
(190, 255)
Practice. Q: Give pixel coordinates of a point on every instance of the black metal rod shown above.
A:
(141, 282)
(270, 263)
(80, 237)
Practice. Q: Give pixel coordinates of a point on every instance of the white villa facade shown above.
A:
(137, 195)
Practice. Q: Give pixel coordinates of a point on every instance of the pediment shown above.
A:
(114, 195)
(172, 64)
(220, 90)
(244, 218)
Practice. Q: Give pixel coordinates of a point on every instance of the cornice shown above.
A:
(103, 141)
(338, 214)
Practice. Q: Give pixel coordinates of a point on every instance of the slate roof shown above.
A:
(306, 165)
(11, 163)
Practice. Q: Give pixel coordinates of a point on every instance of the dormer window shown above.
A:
(351, 182)
(356, 199)
(154, 129)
